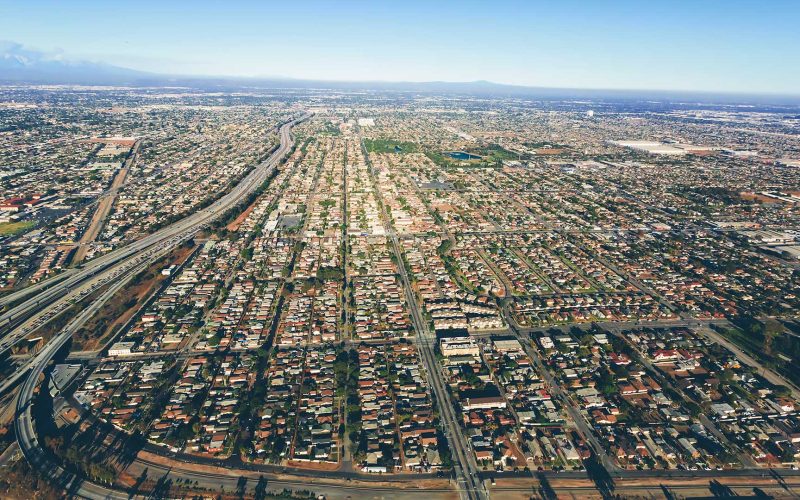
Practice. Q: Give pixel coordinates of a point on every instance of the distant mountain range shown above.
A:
(21, 65)
(18, 64)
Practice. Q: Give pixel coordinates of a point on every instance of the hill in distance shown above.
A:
(20, 65)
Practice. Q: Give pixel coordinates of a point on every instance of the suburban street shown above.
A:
(469, 484)
(23, 319)
(393, 277)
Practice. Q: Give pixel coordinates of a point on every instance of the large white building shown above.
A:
(459, 346)
(120, 349)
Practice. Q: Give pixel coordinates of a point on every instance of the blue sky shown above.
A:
(676, 45)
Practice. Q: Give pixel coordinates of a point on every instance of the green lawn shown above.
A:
(491, 155)
(390, 146)
(12, 228)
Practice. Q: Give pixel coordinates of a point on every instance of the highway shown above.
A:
(115, 272)
(60, 477)
(58, 294)
(57, 475)
(40, 313)
(54, 295)
(9, 454)
(58, 341)
(26, 434)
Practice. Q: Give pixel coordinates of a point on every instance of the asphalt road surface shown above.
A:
(53, 296)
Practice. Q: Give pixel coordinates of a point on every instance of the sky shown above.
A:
(709, 45)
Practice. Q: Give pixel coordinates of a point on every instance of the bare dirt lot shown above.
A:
(125, 303)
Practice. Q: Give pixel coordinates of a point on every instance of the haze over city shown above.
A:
(722, 46)
(459, 250)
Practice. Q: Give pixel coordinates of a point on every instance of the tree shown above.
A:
(781, 391)
(771, 329)
(606, 382)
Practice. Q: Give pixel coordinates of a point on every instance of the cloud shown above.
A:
(21, 63)
(16, 53)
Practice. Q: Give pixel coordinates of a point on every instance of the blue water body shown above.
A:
(460, 155)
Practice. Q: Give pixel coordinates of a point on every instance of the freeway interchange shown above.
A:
(107, 274)
(53, 296)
